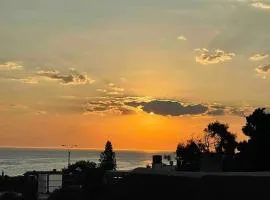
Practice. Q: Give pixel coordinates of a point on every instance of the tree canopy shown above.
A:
(188, 156)
(255, 152)
(218, 135)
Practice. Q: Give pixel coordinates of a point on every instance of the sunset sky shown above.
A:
(145, 74)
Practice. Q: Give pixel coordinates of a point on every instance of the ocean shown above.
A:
(17, 161)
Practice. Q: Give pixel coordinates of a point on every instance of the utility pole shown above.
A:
(68, 148)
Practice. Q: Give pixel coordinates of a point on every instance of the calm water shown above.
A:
(16, 161)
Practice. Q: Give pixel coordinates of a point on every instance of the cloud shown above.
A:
(114, 93)
(18, 106)
(118, 89)
(175, 108)
(260, 5)
(28, 80)
(123, 79)
(114, 90)
(11, 66)
(13, 107)
(107, 106)
(73, 78)
(68, 97)
(102, 90)
(128, 105)
(101, 105)
(181, 37)
(21, 109)
(169, 108)
(240, 111)
(258, 57)
(206, 57)
(41, 112)
(216, 112)
(263, 70)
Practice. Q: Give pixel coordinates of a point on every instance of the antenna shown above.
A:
(68, 148)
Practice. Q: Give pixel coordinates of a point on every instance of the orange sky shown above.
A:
(138, 132)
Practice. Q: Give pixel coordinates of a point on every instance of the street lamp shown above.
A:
(68, 148)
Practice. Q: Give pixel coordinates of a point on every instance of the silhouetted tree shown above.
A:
(220, 138)
(256, 150)
(188, 156)
(107, 158)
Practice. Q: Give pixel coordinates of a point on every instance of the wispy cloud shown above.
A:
(28, 80)
(206, 57)
(21, 109)
(73, 78)
(102, 90)
(260, 5)
(257, 57)
(115, 90)
(263, 70)
(41, 112)
(11, 66)
(107, 106)
(181, 37)
(219, 110)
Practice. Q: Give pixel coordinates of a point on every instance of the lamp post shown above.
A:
(68, 148)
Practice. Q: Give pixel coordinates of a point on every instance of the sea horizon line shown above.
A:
(85, 149)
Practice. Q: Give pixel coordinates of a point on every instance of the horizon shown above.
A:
(144, 74)
(88, 149)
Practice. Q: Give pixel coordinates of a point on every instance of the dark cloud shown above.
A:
(216, 112)
(135, 104)
(218, 106)
(169, 108)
